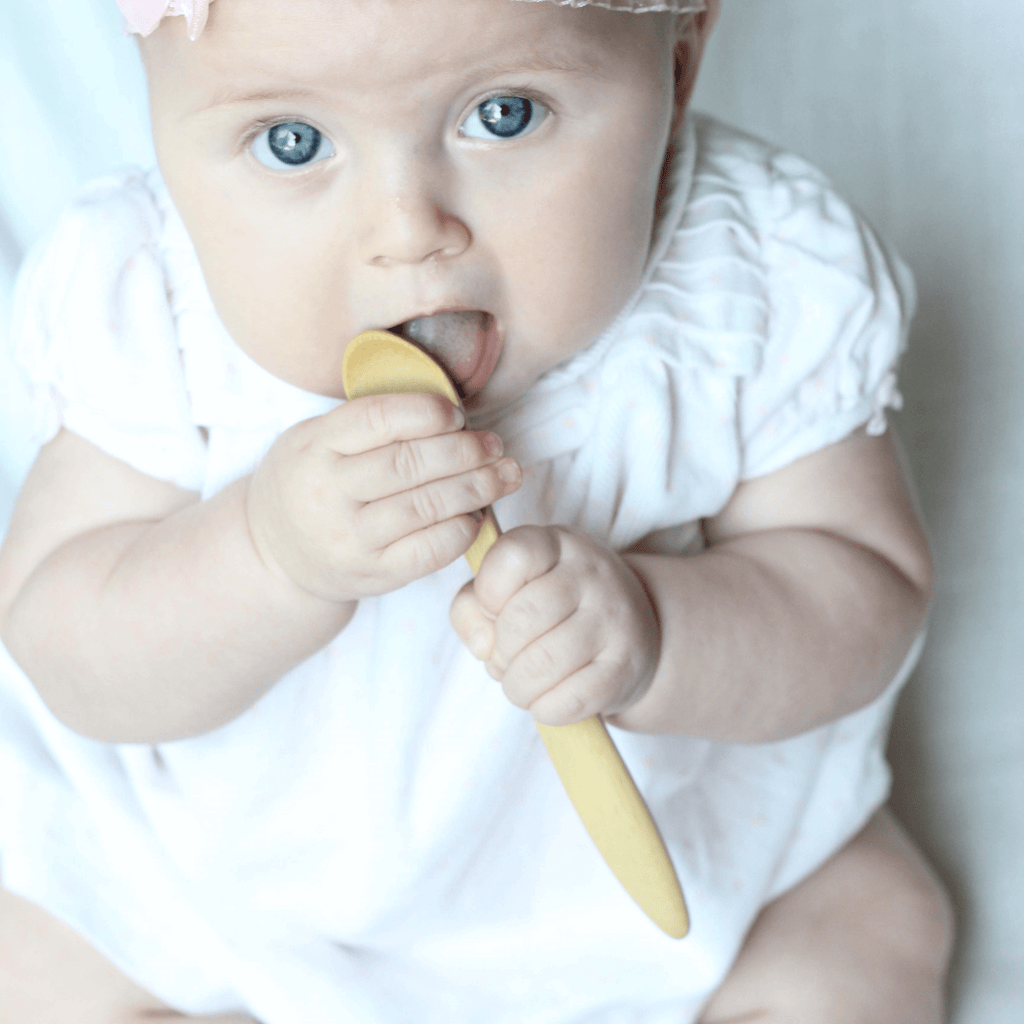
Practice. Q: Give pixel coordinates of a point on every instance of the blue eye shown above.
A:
(504, 117)
(290, 145)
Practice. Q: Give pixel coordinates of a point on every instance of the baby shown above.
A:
(255, 764)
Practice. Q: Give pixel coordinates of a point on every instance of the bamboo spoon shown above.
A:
(594, 776)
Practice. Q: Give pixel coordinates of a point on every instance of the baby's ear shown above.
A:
(692, 33)
(710, 16)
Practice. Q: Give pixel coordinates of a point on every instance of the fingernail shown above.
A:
(493, 445)
(508, 471)
(458, 416)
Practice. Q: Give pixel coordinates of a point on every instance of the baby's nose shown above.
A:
(406, 219)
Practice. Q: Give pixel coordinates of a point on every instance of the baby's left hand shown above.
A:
(564, 624)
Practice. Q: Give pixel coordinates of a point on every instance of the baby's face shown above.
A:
(351, 164)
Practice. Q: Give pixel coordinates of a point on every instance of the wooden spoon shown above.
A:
(593, 773)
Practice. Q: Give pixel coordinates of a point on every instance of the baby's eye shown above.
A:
(504, 117)
(289, 145)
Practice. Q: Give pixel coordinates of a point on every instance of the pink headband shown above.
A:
(142, 16)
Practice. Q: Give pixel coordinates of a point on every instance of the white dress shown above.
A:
(381, 839)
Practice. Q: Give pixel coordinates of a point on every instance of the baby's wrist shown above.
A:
(274, 571)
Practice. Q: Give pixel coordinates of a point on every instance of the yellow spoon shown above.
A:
(594, 776)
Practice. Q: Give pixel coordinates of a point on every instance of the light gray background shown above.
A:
(916, 109)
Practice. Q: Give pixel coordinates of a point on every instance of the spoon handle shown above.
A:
(606, 798)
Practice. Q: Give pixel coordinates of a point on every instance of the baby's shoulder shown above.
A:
(805, 247)
(764, 176)
(109, 217)
(782, 199)
(749, 159)
(80, 262)
(94, 336)
(98, 267)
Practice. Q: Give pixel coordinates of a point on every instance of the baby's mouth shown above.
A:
(464, 342)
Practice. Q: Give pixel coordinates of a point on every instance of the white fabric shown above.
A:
(381, 837)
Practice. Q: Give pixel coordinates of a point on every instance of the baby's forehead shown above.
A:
(351, 45)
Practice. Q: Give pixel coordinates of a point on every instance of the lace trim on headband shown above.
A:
(633, 6)
(141, 17)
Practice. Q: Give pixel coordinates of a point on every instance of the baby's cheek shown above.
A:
(598, 269)
(274, 314)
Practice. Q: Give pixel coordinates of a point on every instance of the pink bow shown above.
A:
(143, 16)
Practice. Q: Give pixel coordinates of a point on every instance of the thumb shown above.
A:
(472, 623)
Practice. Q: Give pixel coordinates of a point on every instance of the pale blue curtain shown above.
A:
(74, 106)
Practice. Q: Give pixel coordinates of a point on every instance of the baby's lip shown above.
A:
(463, 341)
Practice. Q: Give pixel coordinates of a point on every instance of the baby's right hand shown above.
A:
(374, 494)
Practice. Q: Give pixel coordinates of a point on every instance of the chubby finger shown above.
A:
(534, 610)
(582, 695)
(402, 465)
(473, 625)
(386, 521)
(362, 424)
(517, 558)
(428, 550)
(557, 660)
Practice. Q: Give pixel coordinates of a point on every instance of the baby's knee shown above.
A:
(881, 938)
(49, 974)
(866, 939)
(903, 904)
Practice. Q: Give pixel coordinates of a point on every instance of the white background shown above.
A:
(916, 109)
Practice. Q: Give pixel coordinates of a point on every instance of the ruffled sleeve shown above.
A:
(839, 306)
(95, 339)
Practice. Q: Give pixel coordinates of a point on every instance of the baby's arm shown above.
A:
(142, 614)
(815, 582)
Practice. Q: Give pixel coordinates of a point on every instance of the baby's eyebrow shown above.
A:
(226, 98)
(537, 62)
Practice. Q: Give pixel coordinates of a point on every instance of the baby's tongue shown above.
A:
(455, 340)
